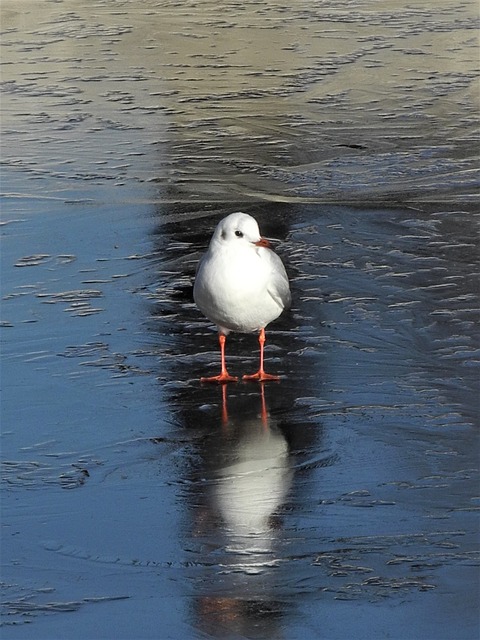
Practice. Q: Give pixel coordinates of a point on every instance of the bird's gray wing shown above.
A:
(279, 287)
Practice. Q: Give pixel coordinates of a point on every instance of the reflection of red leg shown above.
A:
(264, 414)
(261, 375)
(224, 406)
(224, 375)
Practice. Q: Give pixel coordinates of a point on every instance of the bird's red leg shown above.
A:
(224, 375)
(261, 375)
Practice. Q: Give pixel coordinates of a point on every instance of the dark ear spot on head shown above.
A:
(223, 234)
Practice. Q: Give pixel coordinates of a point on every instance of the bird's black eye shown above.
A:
(239, 234)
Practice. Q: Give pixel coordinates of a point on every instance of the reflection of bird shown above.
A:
(252, 482)
(241, 285)
(246, 478)
(253, 485)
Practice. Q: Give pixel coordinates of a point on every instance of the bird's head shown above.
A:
(239, 228)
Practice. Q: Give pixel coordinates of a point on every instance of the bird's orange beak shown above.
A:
(263, 242)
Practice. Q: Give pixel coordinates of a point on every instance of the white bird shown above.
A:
(241, 285)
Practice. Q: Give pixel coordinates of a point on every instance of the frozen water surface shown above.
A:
(339, 503)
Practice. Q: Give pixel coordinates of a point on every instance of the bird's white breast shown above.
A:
(234, 289)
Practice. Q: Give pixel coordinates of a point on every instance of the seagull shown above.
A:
(241, 285)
